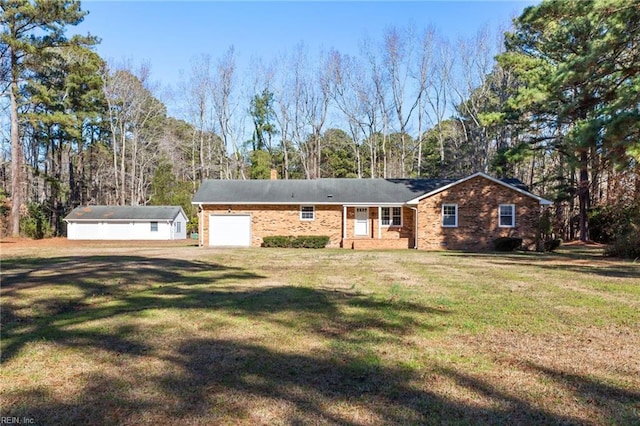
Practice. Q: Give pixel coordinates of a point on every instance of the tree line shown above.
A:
(552, 101)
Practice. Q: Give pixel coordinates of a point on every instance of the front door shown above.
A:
(362, 221)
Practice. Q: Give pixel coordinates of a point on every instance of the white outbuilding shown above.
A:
(127, 223)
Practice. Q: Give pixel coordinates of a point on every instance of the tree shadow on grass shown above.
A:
(609, 271)
(67, 292)
(63, 292)
(213, 380)
(576, 262)
(614, 404)
(617, 270)
(220, 381)
(312, 385)
(106, 274)
(622, 406)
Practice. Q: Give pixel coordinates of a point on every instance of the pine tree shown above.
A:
(30, 29)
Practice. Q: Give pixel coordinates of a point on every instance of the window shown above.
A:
(307, 212)
(178, 227)
(450, 215)
(391, 216)
(154, 226)
(507, 215)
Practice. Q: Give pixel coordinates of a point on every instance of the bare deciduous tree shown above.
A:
(440, 91)
(475, 63)
(225, 108)
(135, 117)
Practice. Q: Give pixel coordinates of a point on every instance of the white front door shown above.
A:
(362, 221)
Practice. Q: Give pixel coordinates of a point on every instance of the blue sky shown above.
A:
(168, 34)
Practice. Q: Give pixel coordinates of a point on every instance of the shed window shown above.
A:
(154, 226)
(307, 212)
(391, 216)
(450, 215)
(178, 227)
(507, 215)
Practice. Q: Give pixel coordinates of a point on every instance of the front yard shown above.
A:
(146, 333)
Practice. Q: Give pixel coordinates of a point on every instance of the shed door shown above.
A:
(362, 221)
(230, 230)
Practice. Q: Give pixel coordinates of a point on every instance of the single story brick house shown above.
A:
(127, 223)
(427, 214)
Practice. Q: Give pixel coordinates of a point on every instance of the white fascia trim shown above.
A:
(119, 220)
(183, 215)
(373, 205)
(541, 200)
(272, 203)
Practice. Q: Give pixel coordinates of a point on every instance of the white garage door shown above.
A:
(230, 230)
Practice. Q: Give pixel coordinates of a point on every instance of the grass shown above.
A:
(144, 333)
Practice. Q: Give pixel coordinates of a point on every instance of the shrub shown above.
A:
(302, 241)
(552, 245)
(608, 223)
(311, 241)
(277, 241)
(36, 224)
(507, 243)
(627, 245)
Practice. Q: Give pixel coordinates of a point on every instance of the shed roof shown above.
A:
(325, 191)
(124, 213)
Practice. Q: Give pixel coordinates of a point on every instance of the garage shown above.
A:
(127, 223)
(230, 230)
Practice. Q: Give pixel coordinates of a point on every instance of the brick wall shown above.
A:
(376, 244)
(478, 200)
(271, 220)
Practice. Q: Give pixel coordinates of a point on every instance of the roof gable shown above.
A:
(512, 184)
(134, 213)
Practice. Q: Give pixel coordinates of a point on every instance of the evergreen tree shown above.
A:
(579, 68)
(30, 29)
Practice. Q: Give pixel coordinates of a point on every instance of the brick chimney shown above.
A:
(274, 174)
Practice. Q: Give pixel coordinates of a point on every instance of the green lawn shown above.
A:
(170, 333)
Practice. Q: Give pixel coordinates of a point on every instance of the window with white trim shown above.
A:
(507, 213)
(154, 226)
(307, 212)
(391, 216)
(178, 227)
(449, 215)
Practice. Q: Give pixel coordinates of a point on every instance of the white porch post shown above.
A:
(344, 222)
(379, 222)
(201, 226)
(415, 226)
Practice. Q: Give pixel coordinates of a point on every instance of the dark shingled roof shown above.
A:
(516, 182)
(331, 191)
(124, 213)
(316, 191)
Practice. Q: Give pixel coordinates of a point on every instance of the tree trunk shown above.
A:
(134, 169)
(16, 158)
(572, 182)
(123, 179)
(583, 195)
